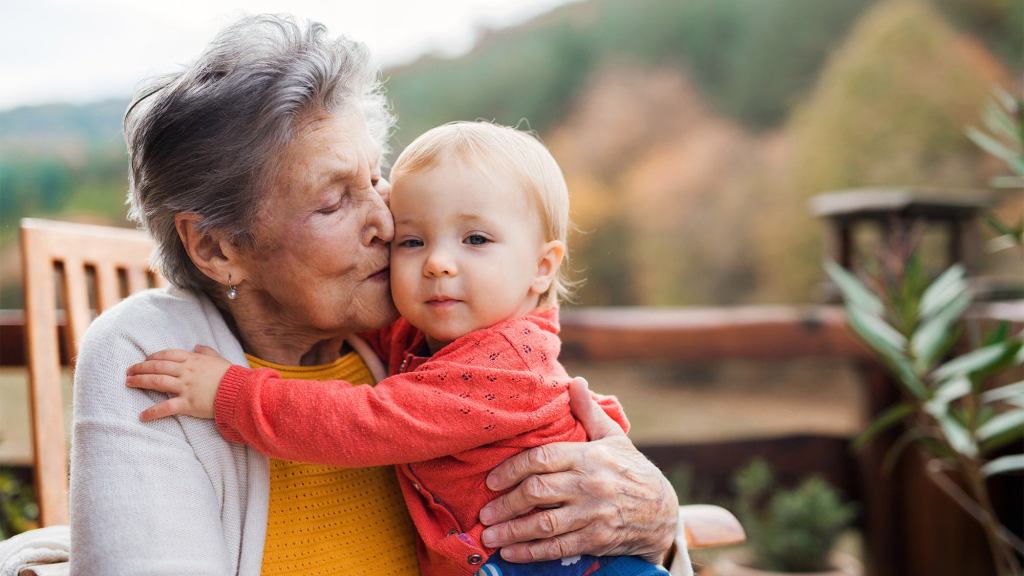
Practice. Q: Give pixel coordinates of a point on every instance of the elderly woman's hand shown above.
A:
(601, 497)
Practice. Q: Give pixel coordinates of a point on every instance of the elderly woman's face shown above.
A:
(321, 260)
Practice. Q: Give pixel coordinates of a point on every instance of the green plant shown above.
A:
(789, 530)
(18, 510)
(1003, 138)
(952, 407)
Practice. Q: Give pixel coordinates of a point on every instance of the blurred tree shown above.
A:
(876, 119)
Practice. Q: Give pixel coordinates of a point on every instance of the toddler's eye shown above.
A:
(411, 243)
(476, 240)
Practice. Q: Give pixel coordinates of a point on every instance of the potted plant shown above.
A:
(956, 409)
(965, 411)
(789, 531)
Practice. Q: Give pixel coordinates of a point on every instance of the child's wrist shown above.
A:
(226, 401)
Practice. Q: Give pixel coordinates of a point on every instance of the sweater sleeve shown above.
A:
(442, 408)
(135, 485)
(611, 407)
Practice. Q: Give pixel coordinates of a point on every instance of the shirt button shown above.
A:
(475, 559)
(416, 486)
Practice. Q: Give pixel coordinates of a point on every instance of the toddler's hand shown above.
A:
(191, 377)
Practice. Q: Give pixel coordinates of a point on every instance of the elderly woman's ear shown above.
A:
(210, 250)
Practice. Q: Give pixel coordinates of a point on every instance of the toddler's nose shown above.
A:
(439, 264)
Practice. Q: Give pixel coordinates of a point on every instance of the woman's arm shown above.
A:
(141, 502)
(611, 500)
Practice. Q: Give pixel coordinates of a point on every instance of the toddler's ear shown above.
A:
(551, 256)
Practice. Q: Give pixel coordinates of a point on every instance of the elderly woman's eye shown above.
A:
(476, 239)
(338, 204)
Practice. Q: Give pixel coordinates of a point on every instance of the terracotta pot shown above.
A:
(736, 565)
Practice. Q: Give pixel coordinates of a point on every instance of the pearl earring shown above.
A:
(232, 289)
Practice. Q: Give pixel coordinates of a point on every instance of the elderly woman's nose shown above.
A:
(380, 226)
(383, 188)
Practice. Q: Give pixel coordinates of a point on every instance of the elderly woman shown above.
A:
(257, 171)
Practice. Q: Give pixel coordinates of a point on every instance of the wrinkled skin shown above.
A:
(601, 497)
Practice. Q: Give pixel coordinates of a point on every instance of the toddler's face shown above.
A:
(467, 251)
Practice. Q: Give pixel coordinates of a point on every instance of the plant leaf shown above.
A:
(874, 329)
(888, 418)
(1000, 334)
(874, 332)
(854, 292)
(932, 337)
(944, 290)
(998, 442)
(999, 226)
(952, 390)
(958, 436)
(1001, 424)
(999, 122)
(1004, 393)
(937, 448)
(1011, 157)
(980, 360)
(1004, 464)
(1002, 98)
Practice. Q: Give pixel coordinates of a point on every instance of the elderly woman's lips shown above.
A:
(379, 275)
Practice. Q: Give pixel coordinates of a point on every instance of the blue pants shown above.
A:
(585, 566)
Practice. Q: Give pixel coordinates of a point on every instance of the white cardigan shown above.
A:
(168, 497)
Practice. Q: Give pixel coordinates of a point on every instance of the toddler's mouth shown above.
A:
(442, 301)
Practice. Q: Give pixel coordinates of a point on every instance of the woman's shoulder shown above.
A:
(161, 315)
(152, 303)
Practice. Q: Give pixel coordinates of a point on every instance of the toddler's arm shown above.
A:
(408, 417)
(192, 377)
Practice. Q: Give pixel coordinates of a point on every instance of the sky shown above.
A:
(81, 51)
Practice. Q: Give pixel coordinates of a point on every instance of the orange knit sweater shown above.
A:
(335, 521)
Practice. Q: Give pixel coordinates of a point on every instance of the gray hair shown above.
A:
(206, 140)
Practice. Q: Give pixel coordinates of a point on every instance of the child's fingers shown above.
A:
(157, 382)
(206, 350)
(165, 367)
(164, 409)
(173, 354)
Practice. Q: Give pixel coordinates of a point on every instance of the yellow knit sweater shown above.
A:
(326, 520)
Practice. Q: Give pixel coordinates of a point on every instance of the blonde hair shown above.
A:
(501, 151)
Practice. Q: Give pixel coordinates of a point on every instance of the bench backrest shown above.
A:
(81, 270)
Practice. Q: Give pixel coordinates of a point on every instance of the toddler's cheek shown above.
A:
(402, 289)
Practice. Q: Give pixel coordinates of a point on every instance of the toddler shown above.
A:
(481, 216)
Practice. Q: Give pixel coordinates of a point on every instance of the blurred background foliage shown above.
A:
(691, 133)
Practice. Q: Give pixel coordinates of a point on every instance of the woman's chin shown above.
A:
(383, 316)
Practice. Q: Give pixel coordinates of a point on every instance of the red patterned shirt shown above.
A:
(446, 420)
